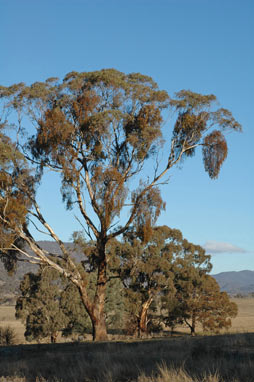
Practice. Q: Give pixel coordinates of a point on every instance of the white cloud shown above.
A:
(219, 247)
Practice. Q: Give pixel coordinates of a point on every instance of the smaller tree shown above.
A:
(215, 308)
(198, 300)
(39, 305)
(7, 336)
(189, 263)
(150, 266)
(145, 270)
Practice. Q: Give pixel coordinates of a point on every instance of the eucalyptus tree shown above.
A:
(197, 299)
(202, 302)
(215, 309)
(38, 305)
(187, 264)
(99, 130)
(190, 271)
(146, 271)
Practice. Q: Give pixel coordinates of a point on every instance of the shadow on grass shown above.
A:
(229, 356)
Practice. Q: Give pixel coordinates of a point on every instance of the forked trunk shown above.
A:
(192, 326)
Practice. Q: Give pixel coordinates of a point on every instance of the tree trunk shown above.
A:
(96, 309)
(193, 324)
(143, 317)
(100, 329)
(53, 337)
(192, 331)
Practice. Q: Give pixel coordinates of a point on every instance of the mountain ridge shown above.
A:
(236, 282)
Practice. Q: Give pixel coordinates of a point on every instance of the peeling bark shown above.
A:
(143, 321)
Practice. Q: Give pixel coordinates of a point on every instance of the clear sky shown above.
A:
(202, 45)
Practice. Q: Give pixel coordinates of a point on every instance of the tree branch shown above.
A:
(83, 211)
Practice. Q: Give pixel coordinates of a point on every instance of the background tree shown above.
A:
(146, 270)
(198, 299)
(98, 131)
(188, 265)
(214, 309)
(77, 319)
(149, 271)
(38, 306)
(115, 307)
(169, 312)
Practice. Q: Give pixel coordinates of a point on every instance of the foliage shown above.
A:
(39, 305)
(199, 300)
(215, 308)
(115, 306)
(16, 187)
(188, 265)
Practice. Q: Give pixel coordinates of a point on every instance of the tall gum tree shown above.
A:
(98, 130)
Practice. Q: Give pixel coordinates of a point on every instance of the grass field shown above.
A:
(223, 358)
(7, 318)
(244, 322)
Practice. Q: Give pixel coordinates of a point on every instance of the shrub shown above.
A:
(7, 336)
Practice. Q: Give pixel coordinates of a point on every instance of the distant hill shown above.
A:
(241, 282)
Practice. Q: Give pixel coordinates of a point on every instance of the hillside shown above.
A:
(241, 282)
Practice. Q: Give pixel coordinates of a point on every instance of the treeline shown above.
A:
(152, 285)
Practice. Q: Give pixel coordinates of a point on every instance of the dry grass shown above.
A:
(225, 358)
(165, 374)
(244, 322)
(7, 318)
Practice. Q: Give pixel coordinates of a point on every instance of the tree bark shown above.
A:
(100, 329)
(96, 309)
(143, 317)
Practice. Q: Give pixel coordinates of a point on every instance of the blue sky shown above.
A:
(202, 45)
